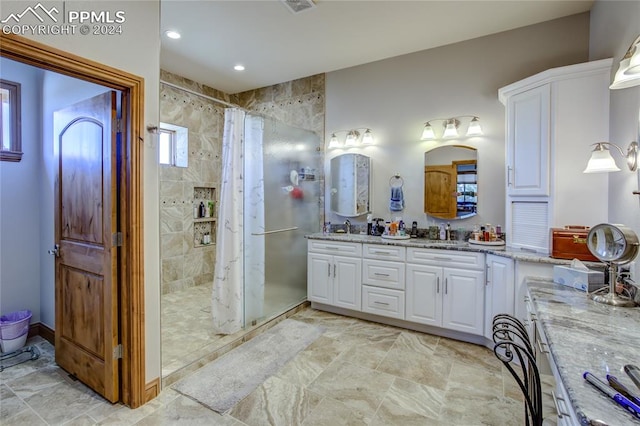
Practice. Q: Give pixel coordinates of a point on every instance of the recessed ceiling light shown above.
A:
(172, 34)
(239, 67)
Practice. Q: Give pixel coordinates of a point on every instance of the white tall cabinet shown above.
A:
(552, 120)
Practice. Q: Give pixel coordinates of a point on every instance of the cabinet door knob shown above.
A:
(438, 285)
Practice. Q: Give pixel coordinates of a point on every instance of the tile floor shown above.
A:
(187, 336)
(356, 373)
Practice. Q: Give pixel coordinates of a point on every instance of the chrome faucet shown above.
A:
(347, 225)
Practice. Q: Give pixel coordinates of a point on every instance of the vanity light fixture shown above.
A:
(451, 126)
(352, 139)
(601, 160)
(239, 67)
(628, 74)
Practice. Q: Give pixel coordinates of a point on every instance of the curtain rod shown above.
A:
(211, 98)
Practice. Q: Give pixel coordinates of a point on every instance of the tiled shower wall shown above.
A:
(299, 103)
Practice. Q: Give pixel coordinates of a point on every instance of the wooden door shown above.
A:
(86, 332)
(440, 191)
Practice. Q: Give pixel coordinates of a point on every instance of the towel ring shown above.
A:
(396, 181)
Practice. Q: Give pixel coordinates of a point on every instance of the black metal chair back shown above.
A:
(514, 349)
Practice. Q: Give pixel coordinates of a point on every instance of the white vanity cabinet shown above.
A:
(334, 273)
(499, 290)
(552, 119)
(445, 289)
(383, 280)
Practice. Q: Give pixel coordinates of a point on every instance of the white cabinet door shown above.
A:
(463, 300)
(528, 116)
(347, 276)
(499, 290)
(423, 292)
(320, 278)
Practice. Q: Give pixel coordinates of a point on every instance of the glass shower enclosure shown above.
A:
(281, 205)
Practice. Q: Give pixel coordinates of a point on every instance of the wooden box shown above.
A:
(570, 242)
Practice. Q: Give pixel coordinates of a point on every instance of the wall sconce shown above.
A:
(628, 74)
(353, 138)
(450, 126)
(601, 160)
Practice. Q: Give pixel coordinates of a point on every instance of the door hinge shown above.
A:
(118, 125)
(117, 352)
(116, 239)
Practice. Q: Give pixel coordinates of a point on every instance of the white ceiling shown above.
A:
(276, 45)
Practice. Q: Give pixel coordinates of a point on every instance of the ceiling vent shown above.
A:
(297, 6)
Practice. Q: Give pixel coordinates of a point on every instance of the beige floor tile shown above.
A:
(10, 404)
(479, 406)
(184, 411)
(24, 418)
(359, 388)
(276, 402)
(423, 400)
(61, 402)
(421, 366)
(334, 413)
(308, 364)
(468, 353)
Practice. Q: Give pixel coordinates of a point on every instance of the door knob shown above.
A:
(56, 251)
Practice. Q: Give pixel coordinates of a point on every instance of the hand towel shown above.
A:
(397, 199)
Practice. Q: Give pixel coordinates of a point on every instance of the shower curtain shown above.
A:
(227, 297)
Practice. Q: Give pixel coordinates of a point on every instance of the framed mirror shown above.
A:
(451, 182)
(350, 184)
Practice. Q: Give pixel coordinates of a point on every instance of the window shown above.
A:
(173, 145)
(10, 134)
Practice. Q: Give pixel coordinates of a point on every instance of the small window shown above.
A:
(173, 145)
(10, 125)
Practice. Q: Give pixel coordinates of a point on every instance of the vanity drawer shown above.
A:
(335, 247)
(446, 258)
(383, 301)
(384, 252)
(383, 274)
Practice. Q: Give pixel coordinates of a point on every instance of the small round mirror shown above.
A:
(613, 243)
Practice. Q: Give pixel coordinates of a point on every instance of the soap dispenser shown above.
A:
(443, 233)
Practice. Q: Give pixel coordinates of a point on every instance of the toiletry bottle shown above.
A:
(212, 205)
(443, 232)
(202, 210)
(448, 231)
(369, 224)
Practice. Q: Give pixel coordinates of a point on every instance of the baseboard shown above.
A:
(151, 389)
(40, 329)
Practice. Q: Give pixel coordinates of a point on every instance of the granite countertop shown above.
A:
(515, 254)
(587, 336)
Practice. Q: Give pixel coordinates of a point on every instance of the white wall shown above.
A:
(20, 254)
(136, 50)
(614, 25)
(394, 97)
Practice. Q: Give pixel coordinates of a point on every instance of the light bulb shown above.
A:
(367, 138)
(451, 130)
(333, 142)
(427, 132)
(474, 127)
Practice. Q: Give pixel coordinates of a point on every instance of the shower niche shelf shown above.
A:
(204, 225)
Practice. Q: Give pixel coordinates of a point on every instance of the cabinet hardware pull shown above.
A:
(530, 250)
(380, 252)
(559, 410)
(542, 350)
(446, 285)
(526, 299)
(441, 258)
(380, 303)
(328, 269)
(486, 273)
(378, 274)
(509, 169)
(334, 270)
(438, 285)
